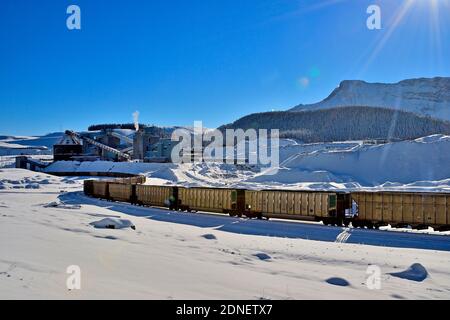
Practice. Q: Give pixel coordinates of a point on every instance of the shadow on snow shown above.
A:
(283, 229)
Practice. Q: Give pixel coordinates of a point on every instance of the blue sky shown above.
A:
(215, 61)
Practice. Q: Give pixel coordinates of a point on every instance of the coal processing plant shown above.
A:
(116, 142)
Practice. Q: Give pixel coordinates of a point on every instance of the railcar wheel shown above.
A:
(369, 225)
(442, 228)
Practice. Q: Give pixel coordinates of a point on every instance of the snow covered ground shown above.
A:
(10, 161)
(418, 165)
(50, 226)
(27, 145)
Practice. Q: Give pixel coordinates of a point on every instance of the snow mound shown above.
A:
(60, 205)
(155, 170)
(416, 272)
(24, 179)
(424, 159)
(113, 223)
(338, 282)
(294, 175)
(263, 256)
(433, 138)
(209, 236)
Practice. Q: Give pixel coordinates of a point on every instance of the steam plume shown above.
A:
(136, 120)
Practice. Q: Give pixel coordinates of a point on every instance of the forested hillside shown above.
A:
(345, 123)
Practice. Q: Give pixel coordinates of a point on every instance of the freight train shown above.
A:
(362, 208)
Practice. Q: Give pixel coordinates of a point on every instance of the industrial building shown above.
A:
(116, 143)
(152, 144)
(67, 148)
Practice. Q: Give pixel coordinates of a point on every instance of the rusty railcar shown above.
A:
(402, 208)
(122, 192)
(293, 204)
(100, 189)
(229, 201)
(159, 196)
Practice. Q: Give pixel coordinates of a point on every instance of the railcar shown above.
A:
(158, 196)
(301, 205)
(220, 200)
(122, 192)
(100, 189)
(416, 209)
(362, 208)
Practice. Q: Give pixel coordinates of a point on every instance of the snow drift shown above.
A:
(424, 159)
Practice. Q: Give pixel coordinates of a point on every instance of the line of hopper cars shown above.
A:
(362, 209)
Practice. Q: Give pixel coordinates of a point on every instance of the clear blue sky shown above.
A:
(212, 60)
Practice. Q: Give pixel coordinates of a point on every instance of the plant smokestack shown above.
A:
(136, 120)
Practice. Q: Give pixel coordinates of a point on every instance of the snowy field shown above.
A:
(47, 224)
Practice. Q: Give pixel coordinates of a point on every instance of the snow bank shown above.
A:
(294, 175)
(416, 272)
(60, 205)
(425, 159)
(24, 179)
(113, 223)
(156, 170)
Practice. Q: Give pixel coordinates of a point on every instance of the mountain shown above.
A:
(424, 96)
(345, 123)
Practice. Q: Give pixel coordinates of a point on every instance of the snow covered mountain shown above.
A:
(29, 145)
(425, 96)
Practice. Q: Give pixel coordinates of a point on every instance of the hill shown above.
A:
(345, 123)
